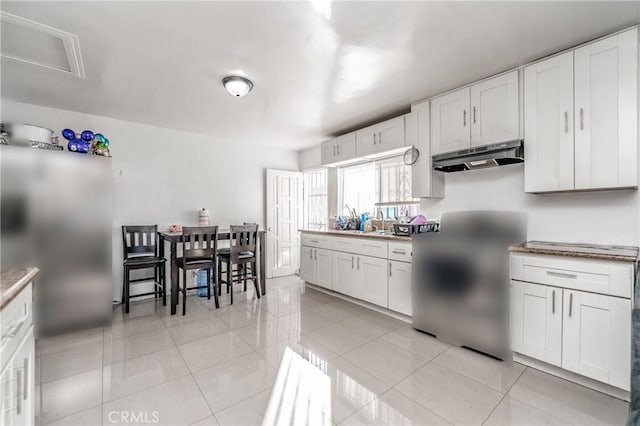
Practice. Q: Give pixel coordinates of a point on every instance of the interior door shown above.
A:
(548, 125)
(284, 219)
(597, 337)
(494, 110)
(450, 126)
(606, 99)
(536, 321)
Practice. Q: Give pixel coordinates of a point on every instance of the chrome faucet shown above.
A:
(380, 215)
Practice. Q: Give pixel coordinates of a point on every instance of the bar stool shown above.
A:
(200, 249)
(242, 253)
(140, 250)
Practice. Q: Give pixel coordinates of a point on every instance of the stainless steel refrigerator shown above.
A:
(56, 215)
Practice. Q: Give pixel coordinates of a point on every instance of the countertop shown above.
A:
(12, 281)
(589, 251)
(375, 235)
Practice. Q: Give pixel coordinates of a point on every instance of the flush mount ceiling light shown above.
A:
(237, 86)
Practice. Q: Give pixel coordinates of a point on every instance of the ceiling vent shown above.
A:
(34, 43)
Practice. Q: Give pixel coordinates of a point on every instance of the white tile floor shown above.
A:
(356, 367)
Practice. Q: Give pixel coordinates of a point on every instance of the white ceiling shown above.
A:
(161, 63)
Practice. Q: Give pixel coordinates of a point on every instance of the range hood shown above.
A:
(481, 157)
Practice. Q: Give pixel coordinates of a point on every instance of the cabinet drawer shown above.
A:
(375, 248)
(319, 241)
(595, 276)
(400, 251)
(349, 245)
(16, 320)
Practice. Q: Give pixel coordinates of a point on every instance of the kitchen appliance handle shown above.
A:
(553, 302)
(562, 274)
(566, 122)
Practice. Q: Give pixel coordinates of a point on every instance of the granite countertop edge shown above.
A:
(387, 237)
(13, 281)
(579, 251)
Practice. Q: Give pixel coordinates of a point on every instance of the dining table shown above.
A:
(173, 239)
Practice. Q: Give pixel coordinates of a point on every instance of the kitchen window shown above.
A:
(382, 184)
(315, 200)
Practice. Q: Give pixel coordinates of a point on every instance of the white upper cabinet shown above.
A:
(450, 127)
(548, 123)
(425, 182)
(381, 137)
(605, 115)
(581, 118)
(495, 110)
(338, 149)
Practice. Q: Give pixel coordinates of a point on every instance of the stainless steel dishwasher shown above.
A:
(460, 285)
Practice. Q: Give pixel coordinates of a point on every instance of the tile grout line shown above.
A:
(504, 395)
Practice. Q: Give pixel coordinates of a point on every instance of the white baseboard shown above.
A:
(572, 377)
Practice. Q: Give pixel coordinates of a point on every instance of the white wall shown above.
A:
(165, 176)
(605, 217)
(309, 158)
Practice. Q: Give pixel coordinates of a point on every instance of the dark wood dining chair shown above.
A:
(200, 247)
(140, 251)
(241, 253)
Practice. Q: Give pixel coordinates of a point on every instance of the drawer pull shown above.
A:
(399, 252)
(314, 241)
(562, 274)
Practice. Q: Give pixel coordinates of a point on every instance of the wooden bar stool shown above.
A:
(199, 252)
(140, 249)
(242, 253)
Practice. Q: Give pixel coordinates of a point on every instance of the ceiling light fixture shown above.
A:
(237, 86)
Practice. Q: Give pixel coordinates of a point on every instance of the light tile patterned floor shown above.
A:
(222, 366)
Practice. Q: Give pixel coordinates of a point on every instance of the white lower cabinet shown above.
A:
(579, 331)
(400, 287)
(316, 266)
(596, 333)
(372, 280)
(344, 273)
(536, 321)
(372, 270)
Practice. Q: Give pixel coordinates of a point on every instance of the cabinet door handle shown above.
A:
(338, 148)
(351, 262)
(474, 115)
(311, 254)
(464, 118)
(566, 122)
(374, 138)
(581, 118)
(19, 391)
(553, 302)
(389, 268)
(334, 150)
(397, 251)
(570, 304)
(379, 137)
(26, 379)
(358, 262)
(562, 274)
